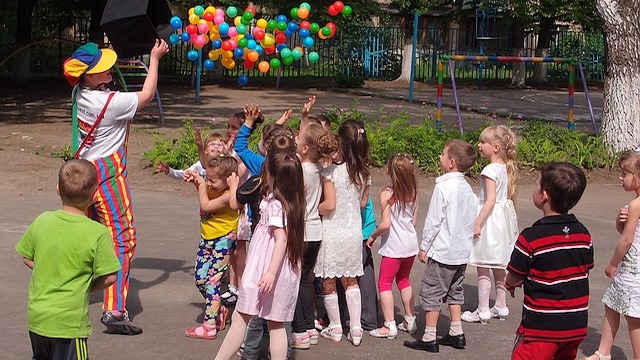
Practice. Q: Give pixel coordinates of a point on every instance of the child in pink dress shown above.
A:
(269, 286)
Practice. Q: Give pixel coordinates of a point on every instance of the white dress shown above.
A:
(623, 295)
(341, 247)
(500, 231)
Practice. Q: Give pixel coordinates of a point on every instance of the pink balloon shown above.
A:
(218, 19)
(203, 28)
(200, 40)
(234, 44)
(232, 31)
(220, 12)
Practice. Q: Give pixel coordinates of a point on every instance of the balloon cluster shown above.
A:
(240, 37)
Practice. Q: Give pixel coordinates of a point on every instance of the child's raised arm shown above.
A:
(487, 207)
(233, 181)
(252, 160)
(385, 218)
(206, 204)
(279, 251)
(626, 240)
(306, 108)
(202, 153)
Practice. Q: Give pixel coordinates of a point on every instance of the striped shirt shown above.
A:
(555, 256)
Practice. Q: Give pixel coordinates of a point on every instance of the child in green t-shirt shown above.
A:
(70, 255)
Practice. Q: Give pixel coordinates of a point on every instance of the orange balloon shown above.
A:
(253, 56)
(263, 66)
(303, 13)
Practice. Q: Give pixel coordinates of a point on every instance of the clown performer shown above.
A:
(103, 129)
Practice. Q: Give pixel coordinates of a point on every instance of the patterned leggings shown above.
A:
(212, 261)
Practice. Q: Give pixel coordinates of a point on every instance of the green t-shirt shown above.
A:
(68, 252)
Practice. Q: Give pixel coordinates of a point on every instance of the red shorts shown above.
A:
(540, 350)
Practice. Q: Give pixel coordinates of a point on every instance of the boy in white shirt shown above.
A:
(446, 243)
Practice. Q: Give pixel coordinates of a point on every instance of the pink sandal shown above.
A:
(206, 332)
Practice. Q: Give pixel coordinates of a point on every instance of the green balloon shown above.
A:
(326, 31)
(232, 11)
(248, 15)
(306, 6)
(294, 13)
(296, 54)
(284, 53)
(314, 28)
(272, 24)
(274, 63)
(282, 25)
(198, 10)
(346, 10)
(241, 28)
(242, 43)
(244, 21)
(314, 57)
(287, 61)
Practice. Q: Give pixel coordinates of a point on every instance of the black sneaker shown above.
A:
(119, 324)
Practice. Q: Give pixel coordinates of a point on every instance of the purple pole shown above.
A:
(586, 93)
(455, 96)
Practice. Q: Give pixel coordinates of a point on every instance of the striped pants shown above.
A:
(113, 209)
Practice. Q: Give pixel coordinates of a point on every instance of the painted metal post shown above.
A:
(414, 42)
(586, 93)
(198, 74)
(570, 119)
(439, 96)
(455, 95)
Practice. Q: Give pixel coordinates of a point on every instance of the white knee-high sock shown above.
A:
(501, 295)
(278, 344)
(333, 311)
(354, 304)
(233, 339)
(484, 291)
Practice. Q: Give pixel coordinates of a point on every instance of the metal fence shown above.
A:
(355, 52)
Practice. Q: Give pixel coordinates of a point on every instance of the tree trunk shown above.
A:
(23, 37)
(517, 49)
(95, 30)
(621, 115)
(542, 49)
(407, 51)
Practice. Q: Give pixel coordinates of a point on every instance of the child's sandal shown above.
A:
(206, 332)
(223, 314)
(597, 355)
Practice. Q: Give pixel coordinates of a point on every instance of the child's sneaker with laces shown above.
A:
(300, 341)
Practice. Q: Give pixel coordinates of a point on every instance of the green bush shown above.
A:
(392, 133)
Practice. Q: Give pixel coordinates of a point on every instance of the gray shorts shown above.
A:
(441, 283)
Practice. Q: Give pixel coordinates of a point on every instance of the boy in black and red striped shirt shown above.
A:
(552, 260)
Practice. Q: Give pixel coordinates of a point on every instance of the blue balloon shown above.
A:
(238, 52)
(217, 44)
(251, 44)
(292, 26)
(304, 33)
(281, 46)
(259, 49)
(288, 32)
(308, 42)
(185, 37)
(174, 39)
(223, 28)
(248, 36)
(208, 64)
(243, 80)
(192, 55)
(281, 18)
(176, 23)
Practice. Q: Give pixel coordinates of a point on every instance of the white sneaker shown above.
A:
(409, 325)
(500, 313)
(476, 316)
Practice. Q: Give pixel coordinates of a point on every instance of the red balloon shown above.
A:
(192, 29)
(252, 10)
(338, 5)
(258, 34)
(227, 45)
(270, 49)
(304, 24)
(209, 16)
(248, 64)
(332, 26)
(281, 38)
(333, 11)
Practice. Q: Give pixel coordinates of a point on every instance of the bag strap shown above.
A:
(95, 125)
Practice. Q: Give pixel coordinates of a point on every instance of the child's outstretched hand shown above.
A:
(266, 282)
(162, 167)
(610, 270)
(285, 117)
(188, 176)
(251, 114)
(306, 107)
(197, 136)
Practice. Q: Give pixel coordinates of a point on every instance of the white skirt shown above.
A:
(498, 236)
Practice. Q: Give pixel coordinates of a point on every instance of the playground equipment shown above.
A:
(450, 59)
(133, 68)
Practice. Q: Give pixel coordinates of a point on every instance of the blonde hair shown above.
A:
(505, 138)
(402, 171)
(310, 137)
(629, 161)
(214, 136)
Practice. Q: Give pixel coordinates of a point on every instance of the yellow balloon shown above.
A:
(214, 55)
(262, 24)
(202, 21)
(193, 19)
(227, 54)
(239, 36)
(214, 37)
(210, 9)
(268, 41)
(231, 65)
(237, 20)
(192, 11)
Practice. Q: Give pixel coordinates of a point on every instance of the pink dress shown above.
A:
(278, 305)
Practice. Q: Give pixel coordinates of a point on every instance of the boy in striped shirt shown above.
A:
(551, 260)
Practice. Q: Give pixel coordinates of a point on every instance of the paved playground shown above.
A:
(163, 299)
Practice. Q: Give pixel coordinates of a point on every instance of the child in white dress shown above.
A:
(622, 297)
(496, 227)
(346, 190)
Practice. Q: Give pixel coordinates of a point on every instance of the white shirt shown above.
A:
(313, 193)
(448, 229)
(401, 241)
(179, 174)
(111, 134)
